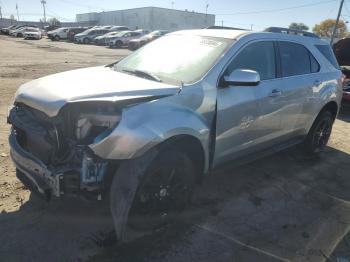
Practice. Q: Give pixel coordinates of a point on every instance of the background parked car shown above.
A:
(137, 43)
(89, 35)
(118, 28)
(6, 30)
(101, 40)
(32, 33)
(58, 34)
(73, 31)
(122, 39)
(20, 31)
(51, 27)
(341, 51)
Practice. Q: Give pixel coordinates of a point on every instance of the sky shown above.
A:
(256, 14)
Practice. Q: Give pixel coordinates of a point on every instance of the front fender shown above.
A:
(146, 125)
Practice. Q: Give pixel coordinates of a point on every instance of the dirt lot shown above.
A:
(284, 207)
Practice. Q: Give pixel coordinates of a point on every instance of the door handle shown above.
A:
(275, 93)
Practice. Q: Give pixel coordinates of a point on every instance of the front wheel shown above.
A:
(86, 41)
(319, 133)
(148, 193)
(118, 44)
(57, 38)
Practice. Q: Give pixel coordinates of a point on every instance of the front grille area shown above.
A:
(34, 132)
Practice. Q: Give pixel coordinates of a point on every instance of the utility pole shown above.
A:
(337, 22)
(43, 2)
(172, 5)
(206, 9)
(222, 23)
(251, 27)
(0, 13)
(17, 12)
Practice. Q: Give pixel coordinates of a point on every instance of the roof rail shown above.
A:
(290, 31)
(223, 27)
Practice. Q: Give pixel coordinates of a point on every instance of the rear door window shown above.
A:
(258, 56)
(296, 59)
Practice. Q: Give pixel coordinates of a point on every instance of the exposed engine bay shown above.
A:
(61, 143)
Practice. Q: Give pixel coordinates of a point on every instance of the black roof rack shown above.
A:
(290, 31)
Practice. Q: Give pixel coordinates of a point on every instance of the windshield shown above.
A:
(176, 58)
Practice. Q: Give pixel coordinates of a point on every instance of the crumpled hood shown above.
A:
(49, 94)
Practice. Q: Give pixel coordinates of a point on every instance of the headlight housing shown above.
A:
(93, 127)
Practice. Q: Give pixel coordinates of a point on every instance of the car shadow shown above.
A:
(282, 207)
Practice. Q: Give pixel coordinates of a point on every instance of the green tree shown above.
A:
(54, 21)
(299, 26)
(326, 27)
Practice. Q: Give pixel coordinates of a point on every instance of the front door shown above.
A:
(240, 120)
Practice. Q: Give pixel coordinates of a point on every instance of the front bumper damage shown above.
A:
(80, 176)
(88, 182)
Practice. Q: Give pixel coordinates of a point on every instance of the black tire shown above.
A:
(147, 194)
(118, 44)
(19, 35)
(57, 38)
(319, 133)
(86, 41)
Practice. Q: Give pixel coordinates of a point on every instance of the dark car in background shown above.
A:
(342, 53)
(137, 43)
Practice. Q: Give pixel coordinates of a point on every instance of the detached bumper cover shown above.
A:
(37, 172)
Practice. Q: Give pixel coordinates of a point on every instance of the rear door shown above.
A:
(300, 75)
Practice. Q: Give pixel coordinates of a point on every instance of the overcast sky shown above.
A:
(238, 13)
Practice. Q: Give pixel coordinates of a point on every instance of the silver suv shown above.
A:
(143, 131)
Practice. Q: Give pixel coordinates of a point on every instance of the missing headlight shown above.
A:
(91, 126)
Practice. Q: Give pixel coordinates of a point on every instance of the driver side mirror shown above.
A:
(243, 77)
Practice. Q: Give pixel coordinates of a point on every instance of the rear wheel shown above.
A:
(319, 133)
(86, 41)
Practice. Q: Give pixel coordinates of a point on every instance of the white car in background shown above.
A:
(20, 31)
(32, 33)
(122, 39)
(58, 34)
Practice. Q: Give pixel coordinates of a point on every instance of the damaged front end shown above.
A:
(53, 153)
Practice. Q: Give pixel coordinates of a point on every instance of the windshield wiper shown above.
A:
(143, 74)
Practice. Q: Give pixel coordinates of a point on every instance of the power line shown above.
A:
(280, 9)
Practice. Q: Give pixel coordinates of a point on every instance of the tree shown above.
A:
(299, 26)
(326, 27)
(54, 21)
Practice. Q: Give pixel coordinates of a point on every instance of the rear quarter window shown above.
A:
(327, 52)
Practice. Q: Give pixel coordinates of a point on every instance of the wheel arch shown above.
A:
(331, 106)
(192, 147)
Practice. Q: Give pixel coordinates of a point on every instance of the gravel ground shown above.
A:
(284, 207)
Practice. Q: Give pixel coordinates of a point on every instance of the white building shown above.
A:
(152, 18)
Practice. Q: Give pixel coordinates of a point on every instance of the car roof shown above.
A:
(235, 34)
